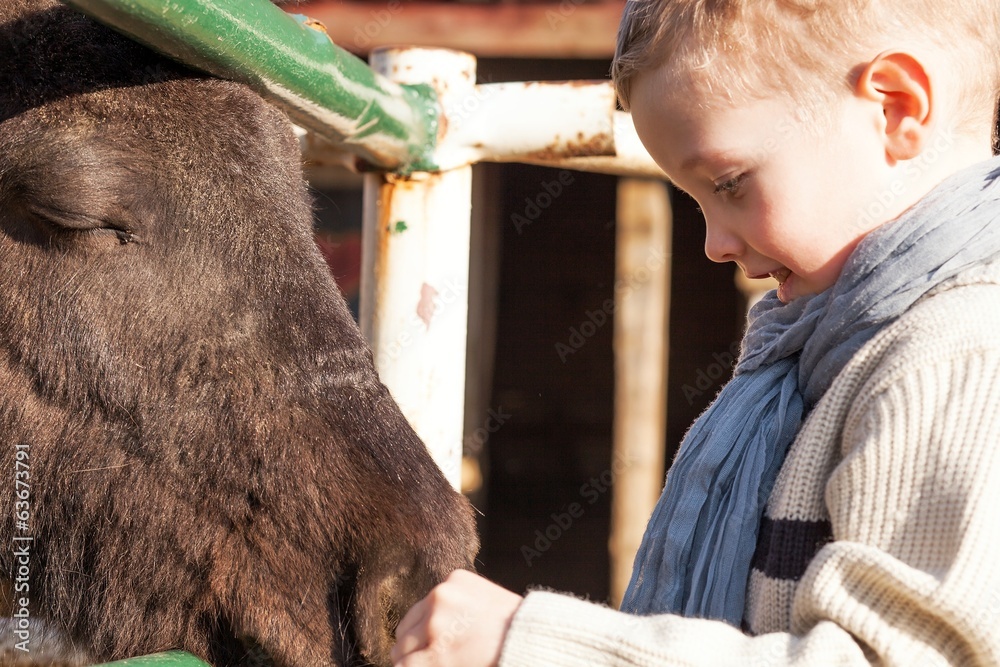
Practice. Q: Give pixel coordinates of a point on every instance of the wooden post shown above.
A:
(642, 293)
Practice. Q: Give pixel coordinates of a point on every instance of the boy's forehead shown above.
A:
(688, 89)
(699, 91)
(684, 137)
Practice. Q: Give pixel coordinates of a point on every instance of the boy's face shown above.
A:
(778, 199)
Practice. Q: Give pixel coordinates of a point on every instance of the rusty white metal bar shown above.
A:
(630, 157)
(415, 270)
(519, 123)
(537, 119)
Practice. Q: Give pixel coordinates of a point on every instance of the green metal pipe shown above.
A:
(321, 86)
(169, 659)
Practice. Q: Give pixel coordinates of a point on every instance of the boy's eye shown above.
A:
(731, 186)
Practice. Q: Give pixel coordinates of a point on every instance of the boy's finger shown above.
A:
(414, 617)
(415, 659)
(411, 633)
(407, 646)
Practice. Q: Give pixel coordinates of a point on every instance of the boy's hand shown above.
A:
(461, 623)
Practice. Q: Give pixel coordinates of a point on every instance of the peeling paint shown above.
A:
(597, 144)
(312, 23)
(426, 306)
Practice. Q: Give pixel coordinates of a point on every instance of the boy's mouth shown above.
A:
(780, 275)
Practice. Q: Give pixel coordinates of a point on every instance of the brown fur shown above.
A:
(214, 463)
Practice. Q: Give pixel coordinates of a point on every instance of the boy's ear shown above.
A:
(899, 82)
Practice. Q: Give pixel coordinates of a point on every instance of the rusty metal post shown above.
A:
(415, 269)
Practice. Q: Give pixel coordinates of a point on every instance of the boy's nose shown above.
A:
(721, 245)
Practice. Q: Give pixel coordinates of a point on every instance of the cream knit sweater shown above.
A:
(881, 541)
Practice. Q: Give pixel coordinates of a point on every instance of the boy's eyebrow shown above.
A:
(702, 159)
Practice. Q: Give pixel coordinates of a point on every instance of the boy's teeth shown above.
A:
(781, 276)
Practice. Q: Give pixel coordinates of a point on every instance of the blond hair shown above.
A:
(740, 50)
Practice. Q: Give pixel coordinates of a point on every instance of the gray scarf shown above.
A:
(695, 556)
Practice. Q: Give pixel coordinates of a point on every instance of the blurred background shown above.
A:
(539, 461)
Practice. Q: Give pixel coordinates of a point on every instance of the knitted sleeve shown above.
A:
(912, 576)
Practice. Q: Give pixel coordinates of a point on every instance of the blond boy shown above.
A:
(840, 501)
